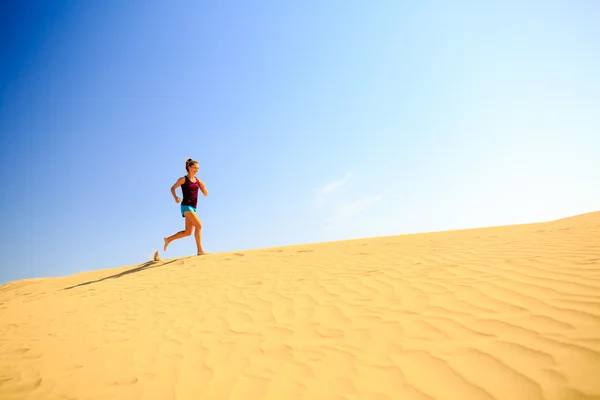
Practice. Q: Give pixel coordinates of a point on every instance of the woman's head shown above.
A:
(191, 165)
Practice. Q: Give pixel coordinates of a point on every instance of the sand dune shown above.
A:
(497, 313)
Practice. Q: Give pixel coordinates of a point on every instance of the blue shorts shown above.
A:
(186, 208)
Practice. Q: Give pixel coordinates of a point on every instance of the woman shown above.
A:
(189, 187)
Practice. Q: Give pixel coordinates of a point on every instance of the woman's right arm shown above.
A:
(179, 182)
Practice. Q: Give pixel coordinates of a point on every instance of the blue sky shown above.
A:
(312, 121)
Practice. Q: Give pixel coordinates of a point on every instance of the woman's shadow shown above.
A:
(144, 266)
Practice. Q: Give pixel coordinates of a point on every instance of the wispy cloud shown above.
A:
(351, 208)
(338, 206)
(332, 187)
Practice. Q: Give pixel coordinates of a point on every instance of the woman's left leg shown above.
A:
(181, 234)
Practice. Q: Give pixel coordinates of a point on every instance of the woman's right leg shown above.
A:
(181, 234)
(195, 222)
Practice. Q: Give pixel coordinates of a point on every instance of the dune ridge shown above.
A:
(509, 312)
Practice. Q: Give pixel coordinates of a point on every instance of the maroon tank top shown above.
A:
(190, 192)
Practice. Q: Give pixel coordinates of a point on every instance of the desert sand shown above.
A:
(509, 312)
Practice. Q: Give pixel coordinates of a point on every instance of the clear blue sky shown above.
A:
(312, 121)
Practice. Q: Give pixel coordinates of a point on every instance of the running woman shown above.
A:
(189, 187)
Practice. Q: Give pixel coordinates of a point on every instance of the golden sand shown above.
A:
(496, 313)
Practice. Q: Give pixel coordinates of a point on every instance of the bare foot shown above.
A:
(156, 256)
(201, 253)
(166, 244)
